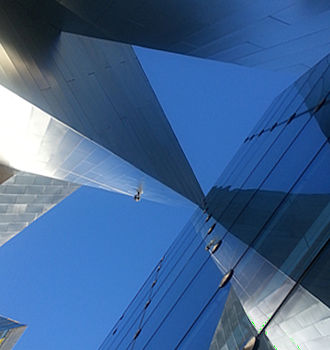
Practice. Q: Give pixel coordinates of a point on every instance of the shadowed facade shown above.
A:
(95, 108)
(284, 35)
(265, 226)
(253, 266)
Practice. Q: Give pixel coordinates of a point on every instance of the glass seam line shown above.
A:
(176, 302)
(298, 280)
(112, 340)
(130, 327)
(297, 108)
(283, 122)
(173, 282)
(295, 286)
(255, 166)
(182, 233)
(197, 318)
(144, 309)
(280, 204)
(266, 177)
(303, 172)
(288, 104)
(196, 249)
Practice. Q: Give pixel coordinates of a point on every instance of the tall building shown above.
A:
(252, 270)
(77, 109)
(10, 331)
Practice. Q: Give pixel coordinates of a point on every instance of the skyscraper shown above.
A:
(79, 110)
(252, 270)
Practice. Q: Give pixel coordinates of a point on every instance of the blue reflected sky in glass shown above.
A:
(71, 274)
(302, 154)
(200, 333)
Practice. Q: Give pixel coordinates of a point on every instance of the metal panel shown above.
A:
(98, 89)
(24, 198)
(211, 29)
(34, 142)
(10, 332)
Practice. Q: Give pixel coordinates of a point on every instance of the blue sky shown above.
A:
(70, 274)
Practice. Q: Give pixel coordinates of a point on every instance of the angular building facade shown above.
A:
(10, 332)
(77, 109)
(286, 35)
(83, 111)
(93, 119)
(252, 270)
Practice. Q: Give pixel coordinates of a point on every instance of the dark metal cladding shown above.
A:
(287, 35)
(98, 89)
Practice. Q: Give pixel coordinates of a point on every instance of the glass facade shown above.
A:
(253, 267)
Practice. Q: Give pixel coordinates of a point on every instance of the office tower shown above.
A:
(252, 270)
(10, 331)
(79, 110)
